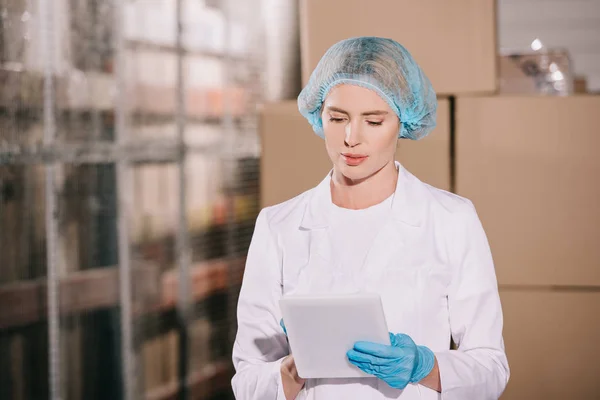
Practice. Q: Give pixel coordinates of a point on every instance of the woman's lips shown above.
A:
(353, 159)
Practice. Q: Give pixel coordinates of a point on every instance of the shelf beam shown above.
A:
(145, 45)
(92, 153)
(24, 303)
(139, 152)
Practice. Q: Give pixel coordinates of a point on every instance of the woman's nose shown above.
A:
(351, 139)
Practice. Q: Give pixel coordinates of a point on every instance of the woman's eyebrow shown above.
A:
(366, 113)
(335, 109)
(375, 112)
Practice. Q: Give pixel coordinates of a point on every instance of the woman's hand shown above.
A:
(292, 383)
(398, 365)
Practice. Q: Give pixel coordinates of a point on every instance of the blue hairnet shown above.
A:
(379, 64)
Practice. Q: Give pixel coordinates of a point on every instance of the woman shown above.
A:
(371, 226)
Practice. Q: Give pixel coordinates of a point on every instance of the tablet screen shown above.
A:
(322, 328)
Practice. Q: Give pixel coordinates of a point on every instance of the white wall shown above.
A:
(573, 24)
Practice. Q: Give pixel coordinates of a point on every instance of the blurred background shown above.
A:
(140, 138)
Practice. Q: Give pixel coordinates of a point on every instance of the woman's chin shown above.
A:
(355, 174)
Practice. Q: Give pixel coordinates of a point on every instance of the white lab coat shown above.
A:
(431, 264)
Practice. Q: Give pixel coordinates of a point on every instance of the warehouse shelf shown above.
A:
(136, 118)
(125, 102)
(202, 384)
(136, 151)
(137, 44)
(205, 279)
(24, 303)
(87, 91)
(207, 226)
(92, 152)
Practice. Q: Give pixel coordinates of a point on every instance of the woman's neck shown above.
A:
(368, 192)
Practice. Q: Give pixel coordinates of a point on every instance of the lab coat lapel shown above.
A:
(316, 221)
(391, 243)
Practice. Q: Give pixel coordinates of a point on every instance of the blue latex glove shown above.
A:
(398, 365)
(283, 326)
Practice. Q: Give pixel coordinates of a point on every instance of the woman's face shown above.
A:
(361, 131)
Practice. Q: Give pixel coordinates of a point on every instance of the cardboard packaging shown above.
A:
(453, 41)
(551, 338)
(530, 165)
(294, 159)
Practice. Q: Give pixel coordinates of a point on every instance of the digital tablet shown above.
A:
(321, 329)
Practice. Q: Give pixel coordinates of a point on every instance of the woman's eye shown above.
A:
(374, 123)
(333, 119)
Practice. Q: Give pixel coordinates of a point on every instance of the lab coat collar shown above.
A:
(407, 207)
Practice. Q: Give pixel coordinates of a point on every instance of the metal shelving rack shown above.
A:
(45, 298)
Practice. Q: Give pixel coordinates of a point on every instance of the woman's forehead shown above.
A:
(354, 99)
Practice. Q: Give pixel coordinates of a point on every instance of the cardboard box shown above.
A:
(552, 344)
(531, 167)
(294, 159)
(453, 41)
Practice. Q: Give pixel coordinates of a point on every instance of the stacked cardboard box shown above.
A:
(551, 338)
(454, 42)
(530, 166)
